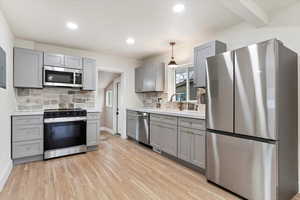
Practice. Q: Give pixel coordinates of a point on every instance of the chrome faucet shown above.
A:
(175, 95)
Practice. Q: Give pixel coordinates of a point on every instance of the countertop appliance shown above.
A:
(64, 132)
(62, 77)
(143, 134)
(252, 116)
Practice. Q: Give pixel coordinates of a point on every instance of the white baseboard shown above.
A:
(111, 131)
(5, 174)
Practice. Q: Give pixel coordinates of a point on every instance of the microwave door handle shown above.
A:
(74, 78)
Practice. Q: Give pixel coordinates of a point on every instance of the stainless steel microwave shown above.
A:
(62, 77)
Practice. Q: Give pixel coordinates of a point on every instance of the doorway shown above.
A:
(109, 89)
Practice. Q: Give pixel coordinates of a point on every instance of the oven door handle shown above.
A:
(64, 119)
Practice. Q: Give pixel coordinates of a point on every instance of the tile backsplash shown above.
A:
(150, 100)
(53, 98)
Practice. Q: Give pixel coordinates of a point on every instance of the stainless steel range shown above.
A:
(64, 132)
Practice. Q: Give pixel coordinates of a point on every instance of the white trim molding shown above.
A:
(248, 10)
(5, 174)
(111, 131)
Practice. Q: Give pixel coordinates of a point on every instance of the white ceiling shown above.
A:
(104, 25)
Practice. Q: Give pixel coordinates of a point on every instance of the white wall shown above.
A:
(105, 62)
(7, 103)
(284, 25)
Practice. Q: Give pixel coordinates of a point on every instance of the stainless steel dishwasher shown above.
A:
(143, 134)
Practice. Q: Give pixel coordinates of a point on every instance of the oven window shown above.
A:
(59, 77)
(64, 134)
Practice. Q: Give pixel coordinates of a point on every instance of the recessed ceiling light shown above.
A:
(178, 8)
(130, 41)
(72, 25)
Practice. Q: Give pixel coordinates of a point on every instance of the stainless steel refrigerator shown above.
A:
(252, 121)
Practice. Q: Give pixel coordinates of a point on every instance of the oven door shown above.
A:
(58, 76)
(59, 135)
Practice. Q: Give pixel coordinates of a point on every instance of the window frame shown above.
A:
(187, 66)
(109, 98)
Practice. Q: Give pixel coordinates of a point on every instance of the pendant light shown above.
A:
(172, 63)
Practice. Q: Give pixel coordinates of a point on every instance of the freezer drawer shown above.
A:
(245, 167)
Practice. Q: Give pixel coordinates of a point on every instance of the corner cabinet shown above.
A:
(28, 68)
(89, 74)
(92, 129)
(200, 54)
(150, 78)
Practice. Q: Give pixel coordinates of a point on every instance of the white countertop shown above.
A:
(25, 113)
(185, 113)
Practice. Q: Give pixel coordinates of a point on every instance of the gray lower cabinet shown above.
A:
(198, 149)
(150, 77)
(74, 62)
(191, 141)
(184, 144)
(169, 139)
(92, 129)
(89, 74)
(54, 59)
(200, 54)
(163, 136)
(131, 124)
(27, 138)
(155, 135)
(28, 68)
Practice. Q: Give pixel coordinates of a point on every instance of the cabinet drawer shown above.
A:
(93, 116)
(28, 120)
(192, 131)
(163, 119)
(24, 132)
(25, 149)
(192, 123)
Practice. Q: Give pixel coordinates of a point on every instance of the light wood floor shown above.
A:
(119, 170)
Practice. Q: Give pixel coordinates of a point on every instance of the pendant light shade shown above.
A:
(172, 63)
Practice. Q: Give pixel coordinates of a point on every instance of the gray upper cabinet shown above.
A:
(89, 74)
(53, 59)
(28, 68)
(150, 78)
(138, 79)
(200, 54)
(74, 62)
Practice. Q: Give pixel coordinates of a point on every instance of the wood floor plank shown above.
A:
(118, 170)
